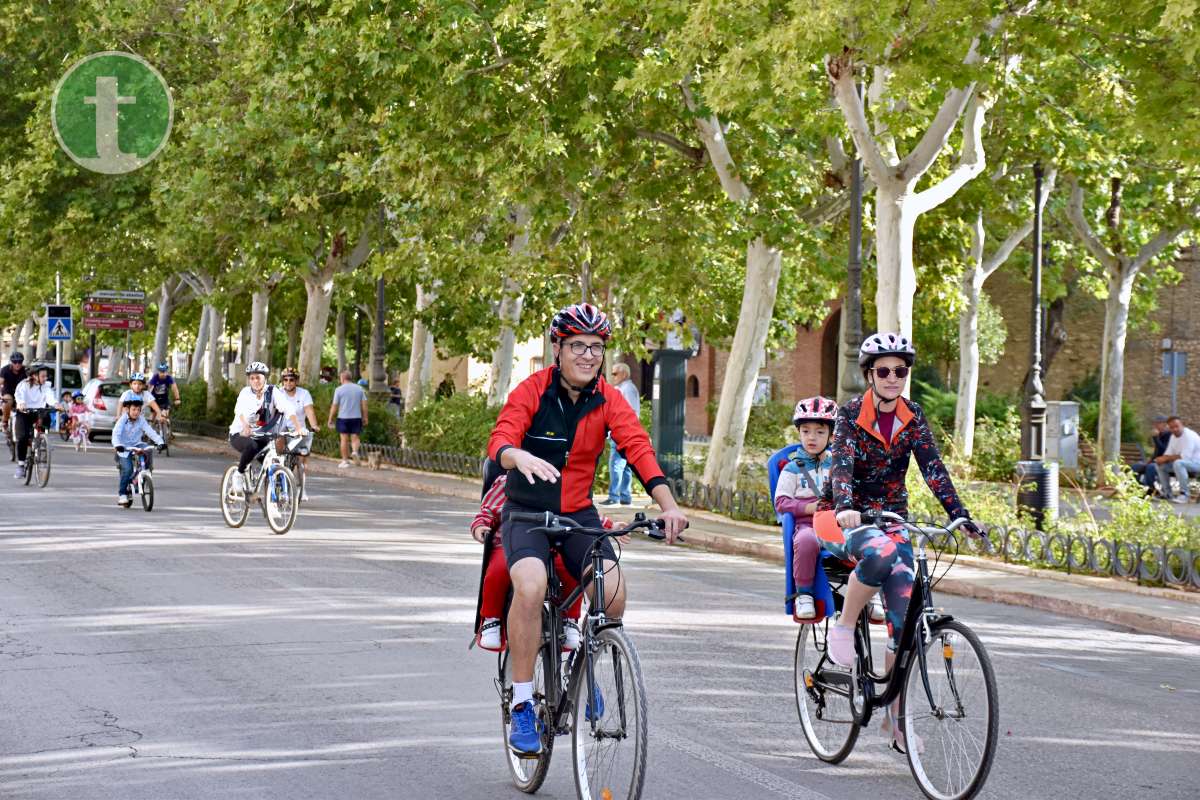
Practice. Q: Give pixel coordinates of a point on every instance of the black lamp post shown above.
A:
(1033, 410)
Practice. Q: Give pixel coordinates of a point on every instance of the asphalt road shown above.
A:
(164, 655)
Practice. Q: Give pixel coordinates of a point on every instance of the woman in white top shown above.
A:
(303, 401)
(259, 414)
(34, 397)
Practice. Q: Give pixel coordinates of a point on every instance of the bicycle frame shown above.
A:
(558, 699)
(920, 617)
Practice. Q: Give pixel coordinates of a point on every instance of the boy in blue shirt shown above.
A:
(128, 434)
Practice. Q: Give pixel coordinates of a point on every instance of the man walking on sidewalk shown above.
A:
(620, 474)
(350, 408)
(1181, 459)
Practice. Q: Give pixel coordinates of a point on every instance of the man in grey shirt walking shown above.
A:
(620, 474)
(350, 408)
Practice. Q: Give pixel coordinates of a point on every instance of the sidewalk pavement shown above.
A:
(1162, 611)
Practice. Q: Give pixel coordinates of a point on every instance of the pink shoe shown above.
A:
(839, 645)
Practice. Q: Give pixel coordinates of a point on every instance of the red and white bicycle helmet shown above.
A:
(815, 409)
(886, 344)
(581, 319)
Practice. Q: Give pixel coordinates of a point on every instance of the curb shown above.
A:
(772, 551)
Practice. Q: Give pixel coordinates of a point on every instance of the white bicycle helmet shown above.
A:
(137, 376)
(815, 409)
(886, 344)
(257, 367)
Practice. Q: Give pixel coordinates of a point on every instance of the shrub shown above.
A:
(997, 448)
(460, 423)
(193, 403)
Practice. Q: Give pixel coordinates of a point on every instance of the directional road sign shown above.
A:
(98, 306)
(108, 294)
(58, 323)
(114, 324)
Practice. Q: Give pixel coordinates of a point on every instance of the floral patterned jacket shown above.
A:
(868, 473)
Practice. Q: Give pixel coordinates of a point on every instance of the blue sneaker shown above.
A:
(596, 702)
(525, 733)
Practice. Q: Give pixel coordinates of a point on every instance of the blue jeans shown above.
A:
(620, 476)
(1180, 469)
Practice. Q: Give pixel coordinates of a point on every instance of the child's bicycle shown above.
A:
(142, 482)
(949, 705)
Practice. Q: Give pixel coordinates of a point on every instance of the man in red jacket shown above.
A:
(550, 436)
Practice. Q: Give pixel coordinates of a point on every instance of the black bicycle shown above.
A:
(37, 458)
(595, 694)
(949, 704)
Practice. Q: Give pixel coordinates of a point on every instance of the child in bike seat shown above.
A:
(495, 582)
(799, 487)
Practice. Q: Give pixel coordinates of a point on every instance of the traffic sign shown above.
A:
(97, 306)
(58, 323)
(59, 329)
(109, 294)
(114, 324)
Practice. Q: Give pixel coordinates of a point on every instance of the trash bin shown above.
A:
(1037, 490)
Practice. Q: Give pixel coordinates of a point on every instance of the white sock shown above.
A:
(522, 693)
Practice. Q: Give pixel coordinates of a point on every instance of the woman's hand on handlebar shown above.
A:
(849, 518)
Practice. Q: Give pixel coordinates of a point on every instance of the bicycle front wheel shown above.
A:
(146, 490)
(823, 692)
(280, 501)
(608, 728)
(235, 506)
(528, 771)
(951, 728)
(41, 461)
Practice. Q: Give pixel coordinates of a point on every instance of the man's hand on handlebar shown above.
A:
(974, 529)
(674, 521)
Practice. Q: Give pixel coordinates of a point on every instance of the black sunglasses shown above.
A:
(883, 373)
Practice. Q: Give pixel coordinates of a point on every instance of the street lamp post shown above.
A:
(1033, 417)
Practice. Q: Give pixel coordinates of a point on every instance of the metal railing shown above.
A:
(1173, 566)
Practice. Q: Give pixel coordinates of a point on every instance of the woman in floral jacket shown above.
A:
(872, 441)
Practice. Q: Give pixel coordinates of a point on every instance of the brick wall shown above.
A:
(1177, 318)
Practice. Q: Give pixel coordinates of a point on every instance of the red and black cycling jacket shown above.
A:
(868, 473)
(540, 418)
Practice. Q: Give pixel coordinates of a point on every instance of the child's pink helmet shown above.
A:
(815, 409)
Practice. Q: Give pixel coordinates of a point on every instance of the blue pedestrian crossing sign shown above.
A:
(59, 325)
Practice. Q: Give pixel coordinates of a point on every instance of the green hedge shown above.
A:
(460, 423)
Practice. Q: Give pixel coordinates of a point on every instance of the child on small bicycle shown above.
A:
(128, 434)
(485, 529)
(80, 421)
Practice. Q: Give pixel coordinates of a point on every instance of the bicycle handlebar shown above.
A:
(552, 522)
(876, 521)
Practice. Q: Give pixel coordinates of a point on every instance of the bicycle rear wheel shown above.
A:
(235, 506)
(280, 501)
(164, 430)
(146, 490)
(608, 727)
(41, 460)
(528, 771)
(823, 692)
(951, 730)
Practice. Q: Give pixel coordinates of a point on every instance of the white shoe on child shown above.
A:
(489, 634)
(572, 637)
(805, 607)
